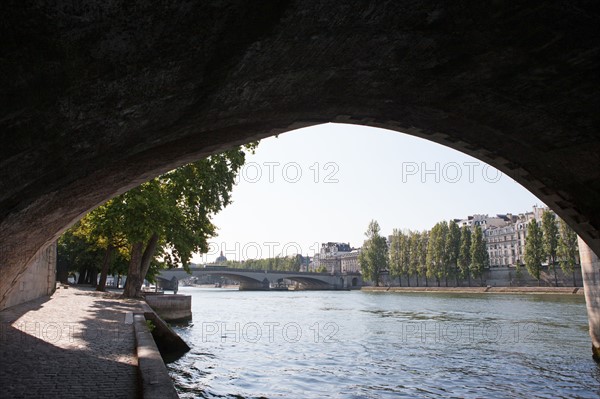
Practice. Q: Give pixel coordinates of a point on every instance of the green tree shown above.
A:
(436, 252)
(479, 255)
(453, 249)
(423, 245)
(415, 256)
(518, 271)
(76, 254)
(550, 239)
(296, 263)
(534, 250)
(568, 250)
(464, 256)
(406, 256)
(168, 217)
(373, 258)
(103, 229)
(395, 261)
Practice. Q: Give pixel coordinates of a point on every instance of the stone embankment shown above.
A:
(482, 290)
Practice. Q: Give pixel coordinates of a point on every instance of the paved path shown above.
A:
(75, 344)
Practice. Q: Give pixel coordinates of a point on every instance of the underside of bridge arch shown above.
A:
(234, 277)
(311, 283)
(97, 97)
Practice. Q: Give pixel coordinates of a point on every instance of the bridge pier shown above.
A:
(255, 285)
(590, 271)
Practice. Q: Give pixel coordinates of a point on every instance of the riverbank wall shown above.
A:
(171, 308)
(499, 277)
(482, 290)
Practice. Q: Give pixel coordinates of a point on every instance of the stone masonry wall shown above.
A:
(39, 278)
(505, 277)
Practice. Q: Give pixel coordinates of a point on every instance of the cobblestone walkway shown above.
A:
(76, 344)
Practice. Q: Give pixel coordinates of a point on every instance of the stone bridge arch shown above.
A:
(261, 279)
(97, 100)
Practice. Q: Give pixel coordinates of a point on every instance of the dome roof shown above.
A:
(221, 258)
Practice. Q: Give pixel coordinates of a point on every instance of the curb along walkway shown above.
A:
(77, 343)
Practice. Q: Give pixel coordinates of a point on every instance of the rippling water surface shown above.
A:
(378, 345)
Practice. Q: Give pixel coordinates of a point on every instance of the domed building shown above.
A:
(221, 259)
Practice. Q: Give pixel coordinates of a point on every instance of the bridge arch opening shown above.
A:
(95, 113)
(30, 244)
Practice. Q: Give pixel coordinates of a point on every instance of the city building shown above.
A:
(331, 257)
(221, 260)
(506, 243)
(349, 261)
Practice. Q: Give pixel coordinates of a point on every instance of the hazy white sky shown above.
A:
(326, 182)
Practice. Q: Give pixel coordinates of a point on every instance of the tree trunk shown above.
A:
(456, 275)
(62, 272)
(555, 277)
(82, 275)
(105, 266)
(417, 279)
(446, 275)
(134, 281)
(149, 255)
(426, 281)
(408, 279)
(92, 277)
(399, 281)
(469, 277)
(88, 276)
(574, 282)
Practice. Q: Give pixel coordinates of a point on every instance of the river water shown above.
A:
(316, 344)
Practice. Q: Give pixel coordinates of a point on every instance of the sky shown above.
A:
(327, 182)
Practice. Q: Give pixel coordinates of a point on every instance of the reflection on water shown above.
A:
(373, 345)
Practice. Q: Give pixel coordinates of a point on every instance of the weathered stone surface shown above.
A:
(171, 307)
(99, 96)
(156, 383)
(38, 279)
(590, 268)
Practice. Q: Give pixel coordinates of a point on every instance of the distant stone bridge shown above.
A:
(265, 280)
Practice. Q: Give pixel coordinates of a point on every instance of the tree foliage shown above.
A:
(167, 219)
(550, 240)
(373, 258)
(479, 255)
(567, 250)
(534, 250)
(415, 251)
(395, 253)
(452, 249)
(401, 253)
(464, 256)
(437, 258)
(292, 263)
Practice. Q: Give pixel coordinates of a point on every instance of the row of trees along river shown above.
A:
(449, 254)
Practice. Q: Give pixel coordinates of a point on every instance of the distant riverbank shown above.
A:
(483, 290)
